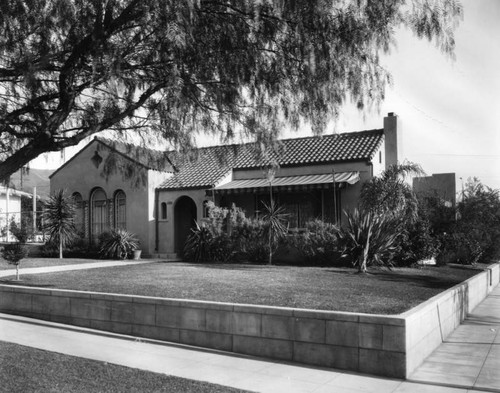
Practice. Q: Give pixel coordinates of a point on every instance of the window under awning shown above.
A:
(291, 182)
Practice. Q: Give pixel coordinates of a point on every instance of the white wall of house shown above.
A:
(10, 209)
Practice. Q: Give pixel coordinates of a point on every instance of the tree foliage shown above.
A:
(478, 226)
(167, 69)
(390, 194)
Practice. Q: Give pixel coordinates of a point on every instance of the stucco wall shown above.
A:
(166, 227)
(81, 175)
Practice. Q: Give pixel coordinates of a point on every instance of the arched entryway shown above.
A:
(184, 220)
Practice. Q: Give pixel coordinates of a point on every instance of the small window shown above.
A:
(120, 210)
(205, 209)
(163, 209)
(380, 157)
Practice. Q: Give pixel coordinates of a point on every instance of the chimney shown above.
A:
(392, 140)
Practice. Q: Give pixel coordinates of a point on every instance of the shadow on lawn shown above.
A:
(230, 266)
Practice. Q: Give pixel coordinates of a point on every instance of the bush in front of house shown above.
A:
(226, 235)
(370, 239)
(318, 243)
(416, 243)
(117, 244)
(206, 244)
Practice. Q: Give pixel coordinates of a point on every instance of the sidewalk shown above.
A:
(470, 356)
(193, 363)
(76, 266)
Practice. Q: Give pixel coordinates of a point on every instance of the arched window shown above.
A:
(78, 219)
(163, 211)
(120, 210)
(99, 214)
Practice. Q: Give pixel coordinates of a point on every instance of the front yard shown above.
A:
(335, 289)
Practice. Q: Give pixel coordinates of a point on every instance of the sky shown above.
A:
(449, 110)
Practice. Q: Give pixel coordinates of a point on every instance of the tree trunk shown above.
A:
(17, 272)
(60, 246)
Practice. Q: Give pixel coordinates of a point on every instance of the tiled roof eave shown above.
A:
(179, 188)
(310, 163)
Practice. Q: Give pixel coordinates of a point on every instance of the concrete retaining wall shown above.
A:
(428, 324)
(376, 344)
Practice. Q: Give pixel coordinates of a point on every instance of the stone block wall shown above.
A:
(391, 346)
(357, 342)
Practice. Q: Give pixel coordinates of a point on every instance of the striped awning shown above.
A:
(292, 182)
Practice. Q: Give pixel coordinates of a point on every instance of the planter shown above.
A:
(137, 254)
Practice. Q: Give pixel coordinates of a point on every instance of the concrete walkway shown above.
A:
(193, 363)
(470, 356)
(76, 266)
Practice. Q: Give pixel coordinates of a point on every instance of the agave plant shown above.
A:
(370, 239)
(117, 243)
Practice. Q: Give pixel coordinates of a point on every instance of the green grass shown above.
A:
(336, 289)
(24, 369)
(41, 262)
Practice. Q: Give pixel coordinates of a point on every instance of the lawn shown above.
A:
(24, 369)
(328, 288)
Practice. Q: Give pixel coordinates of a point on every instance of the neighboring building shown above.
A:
(10, 210)
(441, 185)
(315, 177)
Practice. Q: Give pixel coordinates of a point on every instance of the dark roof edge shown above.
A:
(107, 142)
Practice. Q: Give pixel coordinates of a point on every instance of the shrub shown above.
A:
(252, 241)
(227, 235)
(117, 243)
(369, 239)
(318, 244)
(13, 253)
(204, 244)
(416, 243)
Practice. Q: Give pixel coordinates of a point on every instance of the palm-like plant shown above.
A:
(59, 219)
(369, 239)
(390, 194)
(275, 216)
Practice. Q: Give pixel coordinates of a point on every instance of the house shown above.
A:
(10, 210)
(441, 185)
(160, 195)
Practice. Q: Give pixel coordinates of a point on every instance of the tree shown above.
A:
(13, 253)
(59, 219)
(479, 222)
(390, 194)
(170, 68)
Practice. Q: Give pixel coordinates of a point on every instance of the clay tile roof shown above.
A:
(209, 165)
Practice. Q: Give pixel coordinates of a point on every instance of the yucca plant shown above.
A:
(117, 243)
(276, 217)
(59, 220)
(369, 239)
